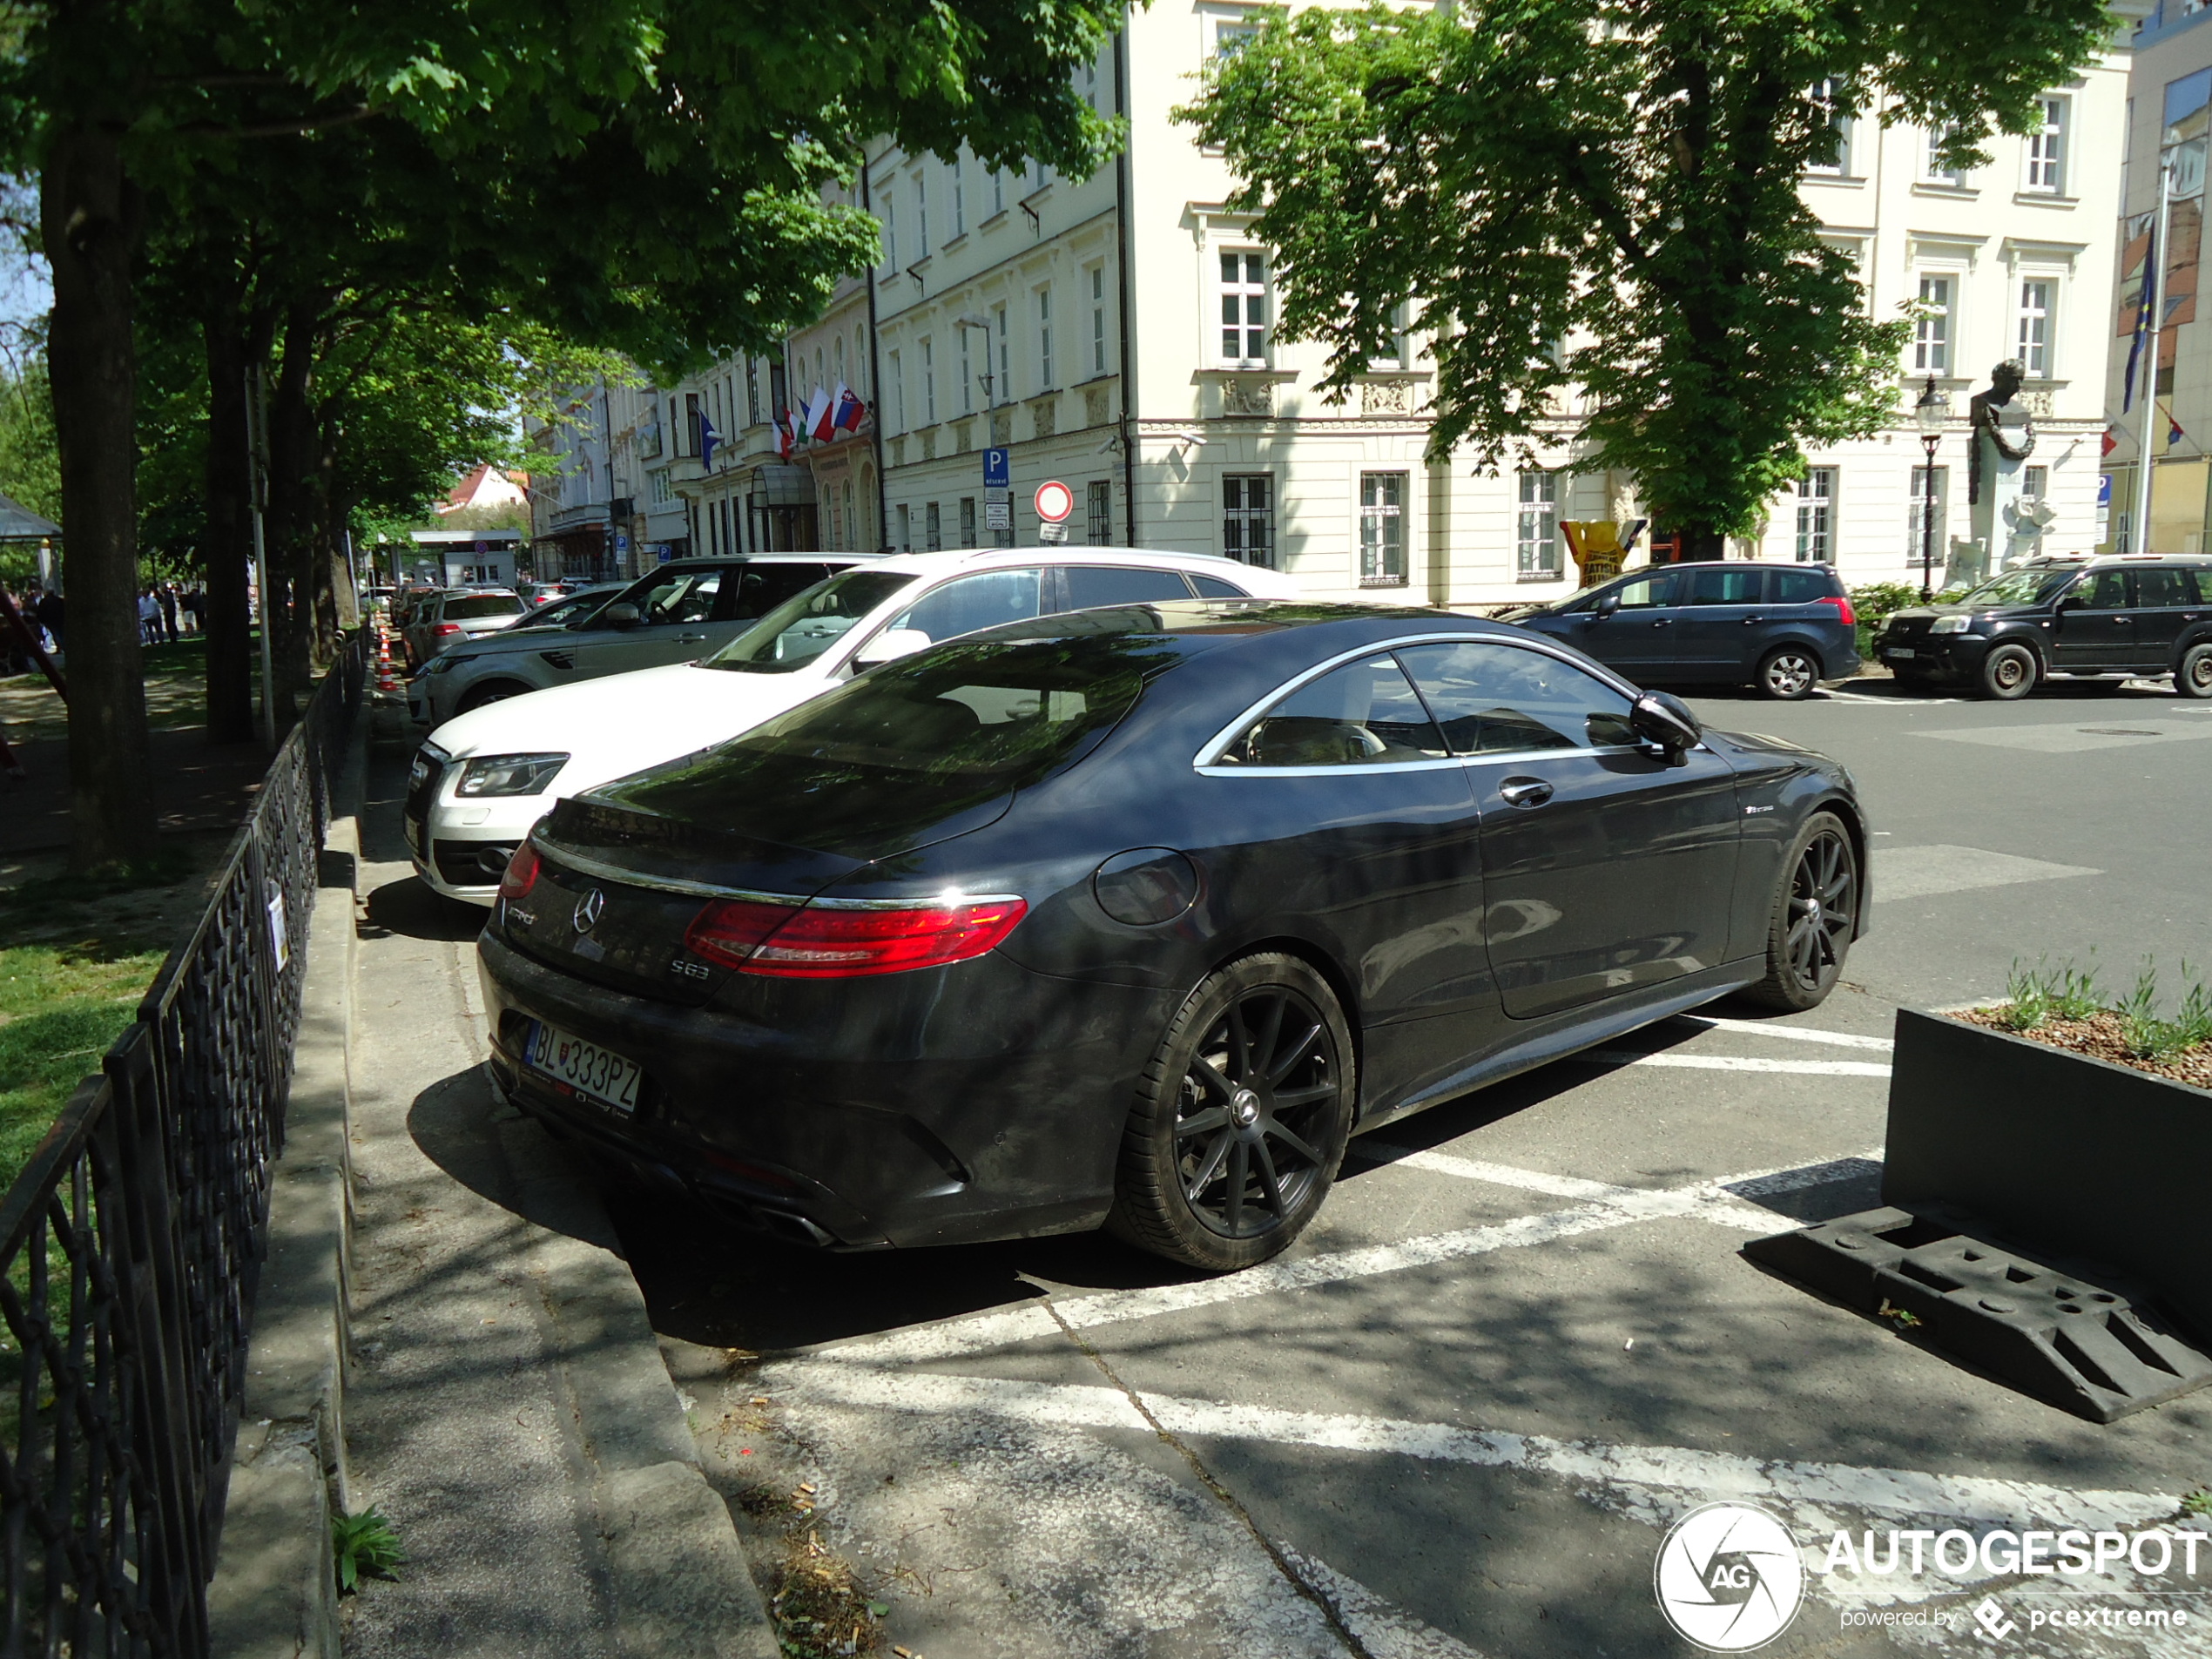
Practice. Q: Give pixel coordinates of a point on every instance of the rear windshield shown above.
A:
(802, 628)
(484, 605)
(2029, 587)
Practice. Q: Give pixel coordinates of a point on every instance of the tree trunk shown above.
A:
(230, 536)
(89, 217)
(291, 528)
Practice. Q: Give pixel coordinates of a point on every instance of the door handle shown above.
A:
(691, 639)
(1525, 791)
(1662, 622)
(2130, 621)
(1748, 621)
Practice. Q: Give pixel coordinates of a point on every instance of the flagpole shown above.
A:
(2155, 292)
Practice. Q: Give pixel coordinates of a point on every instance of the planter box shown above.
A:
(2070, 1156)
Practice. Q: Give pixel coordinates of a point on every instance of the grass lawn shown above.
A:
(176, 693)
(60, 1008)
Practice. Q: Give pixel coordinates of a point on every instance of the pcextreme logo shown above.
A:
(1729, 1578)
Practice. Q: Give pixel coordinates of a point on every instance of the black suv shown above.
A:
(1783, 628)
(2130, 616)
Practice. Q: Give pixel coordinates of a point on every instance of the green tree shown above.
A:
(1623, 177)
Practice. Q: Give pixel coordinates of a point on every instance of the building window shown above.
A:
(1044, 340)
(1090, 83)
(2032, 338)
(1394, 357)
(1827, 100)
(1098, 320)
(933, 525)
(960, 194)
(929, 382)
(998, 190)
(898, 393)
(779, 390)
(968, 521)
(1230, 38)
(889, 194)
(1536, 539)
(921, 215)
(1931, 327)
(1248, 517)
(1098, 496)
(1244, 309)
(2046, 149)
(1916, 516)
(1817, 516)
(693, 416)
(1382, 529)
(967, 377)
(1002, 387)
(906, 528)
(1935, 169)
(753, 391)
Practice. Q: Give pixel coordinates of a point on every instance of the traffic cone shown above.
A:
(385, 679)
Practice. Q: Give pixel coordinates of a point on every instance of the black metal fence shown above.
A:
(130, 1245)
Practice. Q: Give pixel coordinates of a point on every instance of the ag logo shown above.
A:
(1729, 1578)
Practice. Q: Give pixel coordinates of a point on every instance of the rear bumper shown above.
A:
(947, 1106)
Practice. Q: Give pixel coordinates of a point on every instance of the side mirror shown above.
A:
(1665, 723)
(891, 644)
(1605, 604)
(2071, 602)
(623, 615)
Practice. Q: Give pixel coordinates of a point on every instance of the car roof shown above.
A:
(990, 558)
(1228, 619)
(707, 561)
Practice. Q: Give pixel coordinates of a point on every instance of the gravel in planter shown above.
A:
(2102, 1036)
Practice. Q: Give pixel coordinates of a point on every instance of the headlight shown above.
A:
(1951, 624)
(509, 775)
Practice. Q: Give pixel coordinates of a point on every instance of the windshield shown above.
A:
(484, 605)
(2024, 587)
(806, 625)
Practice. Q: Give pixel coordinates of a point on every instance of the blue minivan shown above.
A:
(1782, 628)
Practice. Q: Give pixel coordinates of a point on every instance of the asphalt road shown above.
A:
(1521, 1341)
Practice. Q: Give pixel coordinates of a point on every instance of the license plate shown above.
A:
(1901, 651)
(413, 832)
(584, 1067)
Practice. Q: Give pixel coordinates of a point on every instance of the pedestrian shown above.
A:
(149, 617)
(51, 609)
(196, 607)
(165, 596)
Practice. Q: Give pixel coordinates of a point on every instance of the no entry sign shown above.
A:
(1055, 501)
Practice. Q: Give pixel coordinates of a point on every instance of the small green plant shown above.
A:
(1904, 1319)
(2028, 998)
(2198, 1502)
(2034, 995)
(365, 1546)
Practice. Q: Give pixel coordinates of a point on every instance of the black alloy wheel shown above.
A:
(1789, 674)
(2193, 676)
(1242, 1118)
(1815, 912)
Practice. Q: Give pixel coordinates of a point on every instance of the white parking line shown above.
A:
(1707, 1201)
(1788, 1032)
(1730, 1062)
(1668, 1469)
(1713, 1201)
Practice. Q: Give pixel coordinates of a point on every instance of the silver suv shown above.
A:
(445, 620)
(681, 609)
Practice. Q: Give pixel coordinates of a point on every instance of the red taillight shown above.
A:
(1844, 612)
(445, 628)
(521, 874)
(821, 943)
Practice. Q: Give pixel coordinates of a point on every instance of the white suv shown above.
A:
(484, 779)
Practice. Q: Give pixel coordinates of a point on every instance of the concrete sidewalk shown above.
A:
(509, 1410)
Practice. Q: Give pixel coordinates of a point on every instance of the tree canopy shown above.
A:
(1607, 196)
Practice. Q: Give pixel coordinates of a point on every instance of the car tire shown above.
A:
(491, 692)
(2193, 674)
(1788, 673)
(1240, 1119)
(1816, 912)
(2008, 673)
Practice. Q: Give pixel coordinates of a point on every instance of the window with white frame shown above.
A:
(929, 382)
(1044, 340)
(921, 213)
(1248, 517)
(1536, 536)
(2046, 149)
(1931, 326)
(1826, 98)
(906, 528)
(960, 193)
(1935, 169)
(1002, 387)
(1244, 309)
(2032, 337)
(1382, 529)
(887, 190)
(1928, 529)
(1394, 357)
(1098, 320)
(1230, 36)
(753, 391)
(967, 376)
(998, 190)
(898, 392)
(1817, 516)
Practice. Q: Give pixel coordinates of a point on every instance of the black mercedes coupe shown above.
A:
(1133, 916)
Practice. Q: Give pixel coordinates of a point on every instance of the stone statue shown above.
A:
(2001, 435)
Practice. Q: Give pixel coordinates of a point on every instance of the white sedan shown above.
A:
(485, 777)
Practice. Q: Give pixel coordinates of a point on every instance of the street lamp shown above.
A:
(1931, 412)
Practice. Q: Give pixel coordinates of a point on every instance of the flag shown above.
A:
(819, 408)
(783, 434)
(2110, 443)
(708, 438)
(2173, 433)
(2143, 321)
(845, 416)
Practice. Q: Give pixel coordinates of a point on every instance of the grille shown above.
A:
(471, 864)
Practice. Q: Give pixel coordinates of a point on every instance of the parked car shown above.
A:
(560, 610)
(483, 779)
(683, 609)
(446, 619)
(1132, 916)
(2109, 618)
(1781, 627)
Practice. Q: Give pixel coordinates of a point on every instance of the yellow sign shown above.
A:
(1599, 548)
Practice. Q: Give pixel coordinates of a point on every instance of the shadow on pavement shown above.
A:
(409, 907)
(462, 1125)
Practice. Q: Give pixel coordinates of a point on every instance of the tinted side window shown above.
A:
(760, 588)
(2164, 590)
(2104, 591)
(1093, 584)
(1353, 716)
(1725, 587)
(1212, 587)
(968, 602)
(1493, 698)
(1802, 587)
(1646, 591)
